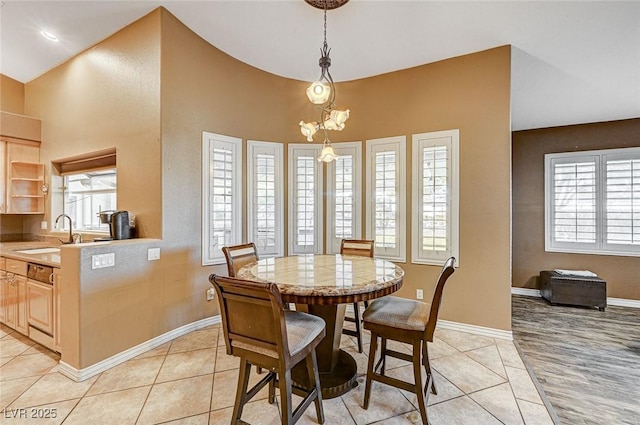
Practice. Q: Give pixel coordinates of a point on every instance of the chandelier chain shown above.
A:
(325, 25)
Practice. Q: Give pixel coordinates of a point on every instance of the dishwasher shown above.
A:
(40, 314)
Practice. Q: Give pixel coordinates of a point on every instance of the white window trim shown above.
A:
(209, 140)
(398, 145)
(450, 139)
(295, 150)
(253, 148)
(600, 247)
(345, 148)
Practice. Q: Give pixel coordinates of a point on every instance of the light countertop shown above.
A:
(9, 250)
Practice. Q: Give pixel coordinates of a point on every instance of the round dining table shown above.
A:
(323, 285)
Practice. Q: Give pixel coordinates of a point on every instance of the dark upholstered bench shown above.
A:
(583, 291)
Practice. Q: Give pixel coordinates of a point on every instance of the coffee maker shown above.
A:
(119, 224)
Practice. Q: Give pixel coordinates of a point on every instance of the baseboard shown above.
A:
(477, 330)
(619, 302)
(79, 375)
(526, 292)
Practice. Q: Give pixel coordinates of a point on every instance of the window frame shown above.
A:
(600, 158)
(254, 148)
(344, 149)
(296, 150)
(234, 144)
(450, 139)
(396, 144)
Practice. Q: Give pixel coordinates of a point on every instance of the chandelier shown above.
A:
(322, 93)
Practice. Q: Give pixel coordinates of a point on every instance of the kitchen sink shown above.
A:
(39, 251)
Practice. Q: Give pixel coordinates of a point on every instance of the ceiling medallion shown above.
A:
(329, 4)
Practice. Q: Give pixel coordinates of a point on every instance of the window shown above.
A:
(386, 182)
(592, 202)
(305, 199)
(222, 195)
(265, 187)
(344, 200)
(435, 197)
(87, 184)
(85, 195)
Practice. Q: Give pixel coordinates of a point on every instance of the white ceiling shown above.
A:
(573, 62)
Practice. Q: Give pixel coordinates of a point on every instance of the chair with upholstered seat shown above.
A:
(363, 248)
(261, 332)
(407, 321)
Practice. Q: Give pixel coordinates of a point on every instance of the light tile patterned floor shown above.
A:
(192, 381)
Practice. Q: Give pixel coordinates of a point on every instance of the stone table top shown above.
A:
(326, 279)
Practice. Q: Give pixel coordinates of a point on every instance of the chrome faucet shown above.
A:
(70, 227)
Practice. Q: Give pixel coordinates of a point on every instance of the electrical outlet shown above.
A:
(43, 225)
(419, 294)
(103, 260)
(211, 294)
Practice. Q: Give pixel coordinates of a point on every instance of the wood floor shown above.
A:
(587, 361)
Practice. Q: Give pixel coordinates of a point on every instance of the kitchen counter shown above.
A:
(9, 250)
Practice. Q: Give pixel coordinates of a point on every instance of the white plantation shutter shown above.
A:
(593, 202)
(386, 184)
(574, 196)
(623, 202)
(435, 197)
(265, 187)
(344, 200)
(305, 199)
(222, 195)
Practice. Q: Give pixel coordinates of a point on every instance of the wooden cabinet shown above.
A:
(16, 307)
(25, 188)
(21, 174)
(29, 306)
(25, 177)
(14, 295)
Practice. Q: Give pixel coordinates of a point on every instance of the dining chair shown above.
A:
(238, 256)
(406, 321)
(363, 248)
(261, 332)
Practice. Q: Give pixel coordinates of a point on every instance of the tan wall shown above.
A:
(529, 257)
(109, 96)
(470, 93)
(11, 95)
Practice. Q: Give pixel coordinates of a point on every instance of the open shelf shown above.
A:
(25, 183)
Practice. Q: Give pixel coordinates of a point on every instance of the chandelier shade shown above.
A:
(318, 93)
(327, 154)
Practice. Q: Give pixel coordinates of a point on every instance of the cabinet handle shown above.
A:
(51, 278)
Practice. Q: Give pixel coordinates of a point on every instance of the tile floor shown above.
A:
(192, 381)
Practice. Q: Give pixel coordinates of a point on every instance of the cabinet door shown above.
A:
(3, 295)
(40, 306)
(21, 308)
(10, 290)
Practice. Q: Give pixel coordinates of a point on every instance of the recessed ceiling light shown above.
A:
(46, 34)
